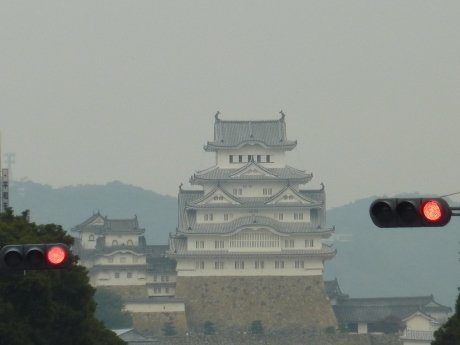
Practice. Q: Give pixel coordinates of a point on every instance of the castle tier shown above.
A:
(251, 220)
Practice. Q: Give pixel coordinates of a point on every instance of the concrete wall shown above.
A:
(295, 339)
(234, 302)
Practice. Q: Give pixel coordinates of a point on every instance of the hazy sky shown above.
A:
(96, 91)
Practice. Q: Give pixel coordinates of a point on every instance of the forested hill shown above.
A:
(370, 261)
(70, 206)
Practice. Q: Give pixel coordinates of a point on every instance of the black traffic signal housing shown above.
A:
(35, 256)
(410, 212)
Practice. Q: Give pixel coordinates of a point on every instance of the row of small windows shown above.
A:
(128, 275)
(249, 158)
(123, 260)
(209, 217)
(128, 243)
(160, 290)
(162, 278)
(239, 265)
(254, 240)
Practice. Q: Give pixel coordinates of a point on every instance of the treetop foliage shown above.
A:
(47, 307)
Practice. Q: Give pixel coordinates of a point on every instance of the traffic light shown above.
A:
(35, 256)
(410, 212)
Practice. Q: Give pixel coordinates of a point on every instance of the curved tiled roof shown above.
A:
(109, 225)
(233, 134)
(220, 174)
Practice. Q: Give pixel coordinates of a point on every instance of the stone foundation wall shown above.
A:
(298, 339)
(151, 323)
(129, 291)
(232, 303)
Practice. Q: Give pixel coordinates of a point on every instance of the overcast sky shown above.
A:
(96, 91)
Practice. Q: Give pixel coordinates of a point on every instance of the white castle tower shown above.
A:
(249, 244)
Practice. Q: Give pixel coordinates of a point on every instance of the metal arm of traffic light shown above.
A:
(455, 209)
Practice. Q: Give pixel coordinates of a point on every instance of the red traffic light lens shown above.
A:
(432, 211)
(56, 256)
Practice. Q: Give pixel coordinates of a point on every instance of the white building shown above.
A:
(251, 217)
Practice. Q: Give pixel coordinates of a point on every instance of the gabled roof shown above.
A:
(234, 134)
(333, 289)
(99, 224)
(386, 301)
(371, 314)
(253, 168)
(289, 189)
(271, 174)
(214, 192)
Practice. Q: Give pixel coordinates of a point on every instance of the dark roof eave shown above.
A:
(288, 146)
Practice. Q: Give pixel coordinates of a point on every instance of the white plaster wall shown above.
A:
(418, 323)
(150, 307)
(362, 328)
(85, 242)
(121, 239)
(187, 268)
(278, 157)
(107, 278)
(273, 213)
(118, 255)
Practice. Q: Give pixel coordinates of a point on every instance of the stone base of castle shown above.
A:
(281, 303)
(151, 324)
(129, 291)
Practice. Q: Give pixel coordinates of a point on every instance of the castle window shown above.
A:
(110, 260)
(208, 217)
(258, 159)
(155, 278)
(299, 264)
(117, 275)
(219, 244)
(230, 159)
(267, 191)
(114, 243)
(240, 158)
(268, 158)
(219, 265)
(123, 260)
(237, 191)
(298, 216)
(156, 290)
(250, 158)
(200, 244)
(129, 243)
(129, 275)
(221, 197)
(239, 265)
(167, 290)
(308, 243)
(167, 278)
(259, 265)
(91, 238)
(162, 278)
(200, 265)
(280, 216)
(289, 244)
(279, 264)
(254, 240)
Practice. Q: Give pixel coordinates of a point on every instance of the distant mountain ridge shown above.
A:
(371, 262)
(71, 205)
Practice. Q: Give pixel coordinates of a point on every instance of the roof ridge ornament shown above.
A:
(180, 187)
(217, 116)
(282, 116)
(322, 186)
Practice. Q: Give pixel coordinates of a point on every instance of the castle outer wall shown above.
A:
(233, 303)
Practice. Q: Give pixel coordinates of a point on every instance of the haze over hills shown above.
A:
(370, 262)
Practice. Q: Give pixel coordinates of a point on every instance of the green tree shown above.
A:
(169, 329)
(329, 330)
(110, 309)
(209, 328)
(449, 333)
(47, 307)
(391, 325)
(256, 327)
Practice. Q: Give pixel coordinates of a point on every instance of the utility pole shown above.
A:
(9, 163)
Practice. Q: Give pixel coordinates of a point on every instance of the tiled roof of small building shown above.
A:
(178, 246)
(388, 301)
(109, 225)
(333, 289)
(372, 314)
(233, 134)
(418, 335)
(224, 174)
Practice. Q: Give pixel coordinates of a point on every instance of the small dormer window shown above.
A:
(129, 243)
(114, 243)
(91, 237)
